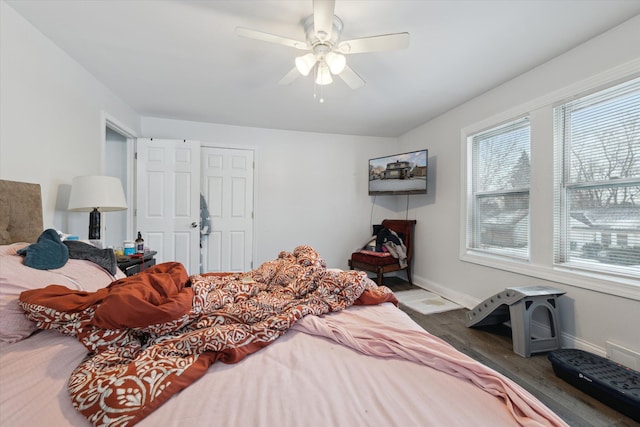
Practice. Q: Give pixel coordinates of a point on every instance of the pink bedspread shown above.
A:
(368, 333)
(150, 335)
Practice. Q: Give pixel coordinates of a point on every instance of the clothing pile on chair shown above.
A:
(386, 240)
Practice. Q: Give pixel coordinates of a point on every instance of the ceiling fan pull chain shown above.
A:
(317, 89)
(315, 85)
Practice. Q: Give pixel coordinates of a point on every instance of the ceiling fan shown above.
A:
(327, 52)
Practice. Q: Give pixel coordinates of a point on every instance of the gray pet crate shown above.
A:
(515, 306)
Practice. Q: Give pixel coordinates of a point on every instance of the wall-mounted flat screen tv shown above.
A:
(404, 173)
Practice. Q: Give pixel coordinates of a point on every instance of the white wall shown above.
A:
(310, 188)
(51, 111)
(588, 318)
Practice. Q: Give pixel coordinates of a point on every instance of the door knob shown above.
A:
(194, 224)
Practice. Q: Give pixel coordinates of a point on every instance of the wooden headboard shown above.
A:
(20, 212)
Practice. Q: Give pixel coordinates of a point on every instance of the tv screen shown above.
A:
(404, 173)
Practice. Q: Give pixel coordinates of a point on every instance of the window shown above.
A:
(498, 214)
(597, 181)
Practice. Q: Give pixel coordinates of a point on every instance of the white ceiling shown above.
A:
(183, 60)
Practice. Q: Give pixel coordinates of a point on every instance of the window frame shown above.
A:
(563, 185)
(541, 265)
(473, 238)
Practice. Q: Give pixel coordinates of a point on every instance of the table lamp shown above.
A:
(96, 194)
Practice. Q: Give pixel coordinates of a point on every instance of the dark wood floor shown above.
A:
(493, 347)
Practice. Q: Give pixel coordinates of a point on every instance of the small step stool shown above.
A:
(517, 305)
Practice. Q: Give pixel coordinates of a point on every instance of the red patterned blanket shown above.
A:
(152, 334)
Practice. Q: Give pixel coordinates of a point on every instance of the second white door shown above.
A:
(227, 185)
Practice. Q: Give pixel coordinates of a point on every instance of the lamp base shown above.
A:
(94, 224)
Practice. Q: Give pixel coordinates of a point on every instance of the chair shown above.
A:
(362, 260)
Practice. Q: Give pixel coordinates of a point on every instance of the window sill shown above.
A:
(608, 284)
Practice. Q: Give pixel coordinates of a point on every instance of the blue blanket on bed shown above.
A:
(47, 253)
(50, 253)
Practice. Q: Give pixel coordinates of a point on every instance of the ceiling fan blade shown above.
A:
(323, 18)
(351, 78)
(289, 77)
(271, 38)
(395, 41)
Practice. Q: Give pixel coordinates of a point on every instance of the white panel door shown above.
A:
(227, 186)
(168, 199)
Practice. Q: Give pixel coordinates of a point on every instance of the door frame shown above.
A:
(111, 122)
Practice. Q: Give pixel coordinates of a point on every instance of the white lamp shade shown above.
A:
(336, 62)
(324, 75)
(305, 63)
(100, 192)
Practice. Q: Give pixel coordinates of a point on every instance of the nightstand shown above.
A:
(131, 264)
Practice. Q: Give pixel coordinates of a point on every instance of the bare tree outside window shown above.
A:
(501, 174)
(601, 138)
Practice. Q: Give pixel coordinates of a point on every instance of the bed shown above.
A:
(361, 362)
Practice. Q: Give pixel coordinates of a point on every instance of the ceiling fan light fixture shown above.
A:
(305, 63)
(323, 76)
(326, 50)
(336, 62)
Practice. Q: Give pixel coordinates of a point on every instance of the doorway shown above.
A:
(172, 178)
(118, 162)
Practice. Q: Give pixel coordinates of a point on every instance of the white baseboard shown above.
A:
(569, 341)
(459, 298)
